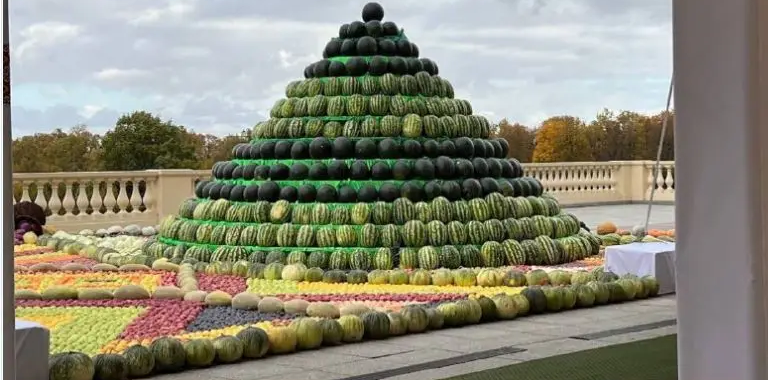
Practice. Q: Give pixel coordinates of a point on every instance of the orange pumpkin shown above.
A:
(606, 228)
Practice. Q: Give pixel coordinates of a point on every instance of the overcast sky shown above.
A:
(217, 66)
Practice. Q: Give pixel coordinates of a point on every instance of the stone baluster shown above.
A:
(25, 192)
(96, 200)
(82, 201)
(135, 199)
(109, 198)
(149, 204)
(68, 201)
(122, 198)
(54, 204)
(40, 196)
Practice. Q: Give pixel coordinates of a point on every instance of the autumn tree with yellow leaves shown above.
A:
(562, 138)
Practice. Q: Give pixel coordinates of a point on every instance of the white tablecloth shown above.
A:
(644, 259)
(32, 347)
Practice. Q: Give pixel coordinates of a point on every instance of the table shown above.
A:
(644, 259)
(32, 346)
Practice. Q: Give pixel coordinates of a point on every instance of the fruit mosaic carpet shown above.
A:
(372, 204)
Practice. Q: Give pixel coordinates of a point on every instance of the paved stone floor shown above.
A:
(476, 348)
(626, 216)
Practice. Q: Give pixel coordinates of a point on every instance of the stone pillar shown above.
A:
(172, 187)
(721, 155)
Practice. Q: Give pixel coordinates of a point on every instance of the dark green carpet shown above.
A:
(652, 359)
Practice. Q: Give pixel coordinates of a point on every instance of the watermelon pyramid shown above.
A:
(370, 162)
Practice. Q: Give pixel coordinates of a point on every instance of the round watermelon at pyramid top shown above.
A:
(370, 163)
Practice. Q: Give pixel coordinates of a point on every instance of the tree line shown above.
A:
(141, 141)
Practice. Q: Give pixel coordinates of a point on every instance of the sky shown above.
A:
(217, 66)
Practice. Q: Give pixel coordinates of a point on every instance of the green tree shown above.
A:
(143, 141)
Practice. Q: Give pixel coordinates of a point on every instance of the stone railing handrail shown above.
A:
(102, 199)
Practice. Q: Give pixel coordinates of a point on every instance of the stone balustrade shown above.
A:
(94, 200)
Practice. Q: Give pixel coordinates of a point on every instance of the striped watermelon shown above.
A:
(450, 257)
(382, 260)
(317, 259)
(321, 214)
(412, 126)
(360, 213)
(513, 252)
(476, 232)
(480, 209)
(346, 236)
(462, 211)
(495, 230)
(428, 257)
(370, 127)
(403, 210)
(368, 236)
(551, 252)
(423, 212)
(306, 236)
(391, 126)
(470, 256)
(414, 233)
(359, 260)
(389, 84)
(492, 254)
(437, 233)
(389, 236)
(325, 237)
(409, 258)
(338, 260)
(457, 233)
(442, 209)
(381, 213)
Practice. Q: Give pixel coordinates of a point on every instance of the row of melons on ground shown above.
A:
(278, 279)
(541, 250)
(330, 327)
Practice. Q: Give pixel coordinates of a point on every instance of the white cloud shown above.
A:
(112, 73)
(89, 110)
(38, 36)
(173, 9)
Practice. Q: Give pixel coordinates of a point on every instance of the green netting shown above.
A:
(407, 98)
(355, 227)
(308, 162)
(283, 249)
(331, 206)
(353, 184)
(398, 139)
(257, 248)
(360, 78)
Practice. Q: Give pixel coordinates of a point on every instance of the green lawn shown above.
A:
(652, 359)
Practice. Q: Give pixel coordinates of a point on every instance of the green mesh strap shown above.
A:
(367, 58)
(355, 227)
(353, 184)
(283, 249)
(398, 139)
(310, 161)
(331, 206)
